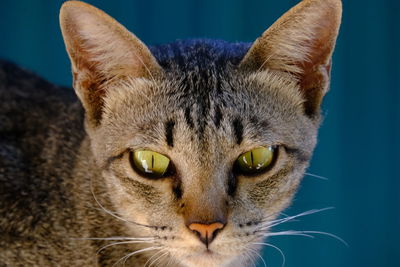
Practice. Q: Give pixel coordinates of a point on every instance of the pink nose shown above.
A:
(206, 232)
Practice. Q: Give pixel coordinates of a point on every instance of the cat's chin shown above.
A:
(207, 258)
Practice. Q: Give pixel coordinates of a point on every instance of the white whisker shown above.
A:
(170, 261)
(290, 232)
(307, 234)
(249, 255)
(159, 258)
(121, 243)
(113, 213)
(115, 238)
(316, 176)
(273, 223)
(151, 258)
(258, 255)
(126, 257)
(275, 247)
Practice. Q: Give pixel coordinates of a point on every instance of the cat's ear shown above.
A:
(301, 43)
(101, 51)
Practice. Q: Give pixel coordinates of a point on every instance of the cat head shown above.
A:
(203, 150)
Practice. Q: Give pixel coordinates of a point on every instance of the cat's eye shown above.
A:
(150, 164)
(256, 160)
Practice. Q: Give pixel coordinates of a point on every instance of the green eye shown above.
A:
(256, 160)
(150, 164)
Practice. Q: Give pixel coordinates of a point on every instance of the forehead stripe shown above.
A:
(188, 118)
(217, 116)
(169, 132)
(238, 130)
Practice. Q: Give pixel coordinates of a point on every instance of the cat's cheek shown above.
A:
(122, 202)
(138, 199)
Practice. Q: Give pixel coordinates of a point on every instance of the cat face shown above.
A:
(197, 124)
(205, 185)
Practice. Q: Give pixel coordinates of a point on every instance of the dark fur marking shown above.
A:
(201, 64)
(188, 118)
(177, 189)
(238, 130)
(145, 191)
(232, 184)
(256, 122)
(217, 117)
(169, 132)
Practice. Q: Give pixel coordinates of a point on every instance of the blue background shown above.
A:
(359, 145)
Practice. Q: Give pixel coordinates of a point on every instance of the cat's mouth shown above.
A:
(205, 252)
(209, 252)
(205, 258)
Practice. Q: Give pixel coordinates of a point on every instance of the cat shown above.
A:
(181, 154)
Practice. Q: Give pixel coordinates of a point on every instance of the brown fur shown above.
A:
(271, 98)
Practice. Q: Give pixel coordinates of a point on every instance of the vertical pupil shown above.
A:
(149, 163)
(256, 159)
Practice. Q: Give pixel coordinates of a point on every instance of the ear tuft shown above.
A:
(301, 43)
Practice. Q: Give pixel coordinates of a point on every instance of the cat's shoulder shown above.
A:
(40, 128)
(29, 107)
(20, 87)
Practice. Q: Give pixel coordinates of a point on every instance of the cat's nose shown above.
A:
(206, 232)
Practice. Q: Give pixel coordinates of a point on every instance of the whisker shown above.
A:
(275, 247)
(290, 232)
(115, 238)
(170, 261)
(249, 255)
(154, 255)
(307, 234)
(121, 243)
(126, 257)
(273, 223)
(258, 254)
(112, 213)
(159, 258)
(330, 235)
(265, 219)
(316, 176)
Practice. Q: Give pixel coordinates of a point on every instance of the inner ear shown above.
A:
(300, 43)
(102, 51)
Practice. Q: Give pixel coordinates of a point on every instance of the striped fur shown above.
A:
(69, 195)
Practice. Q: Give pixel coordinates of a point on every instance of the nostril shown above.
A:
(206, 232)
(216, 232)
(199, 235)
